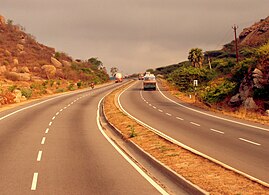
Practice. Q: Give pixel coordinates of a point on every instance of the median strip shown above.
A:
(200, 171)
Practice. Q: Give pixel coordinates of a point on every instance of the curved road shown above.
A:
(242, 145)
(54, 146)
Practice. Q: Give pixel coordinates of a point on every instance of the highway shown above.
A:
(240, 144)
(55, 146)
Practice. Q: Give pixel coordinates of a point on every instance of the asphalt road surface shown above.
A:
(242, 145)
(54, 146)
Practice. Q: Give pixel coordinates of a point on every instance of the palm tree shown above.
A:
(196, 57)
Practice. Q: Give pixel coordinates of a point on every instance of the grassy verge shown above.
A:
(202, 172)
(241, 113)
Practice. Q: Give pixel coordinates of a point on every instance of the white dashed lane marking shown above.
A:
(34, 182)
(50, 123)
(179, 118)
(53, 118)
(47, 130)
(160, 110)
(57, 113)
(168, 114)
(39, 156)
(248, 141)
(198, 125)
(43, 140)
(217, 131)
(154, 107)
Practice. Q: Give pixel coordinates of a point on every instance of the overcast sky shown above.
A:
(133, 35)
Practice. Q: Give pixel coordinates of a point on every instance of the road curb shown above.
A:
(172, 175)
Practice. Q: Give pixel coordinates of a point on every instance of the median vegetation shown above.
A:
(208, 175)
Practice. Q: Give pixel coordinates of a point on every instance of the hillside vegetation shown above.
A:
(222, 82)
(29, 69)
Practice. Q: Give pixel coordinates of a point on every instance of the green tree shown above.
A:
(95, 62)
(113, 70)
(196, 57)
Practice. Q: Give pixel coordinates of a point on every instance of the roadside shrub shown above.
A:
(71, 87)
(218, 91)
(26, 92)
(223, 66)
(183, 77)
(240, 70)
(79, 84)
(60, 90)
(12, 88)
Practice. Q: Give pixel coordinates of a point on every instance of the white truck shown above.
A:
(149, 82)
(118, 77)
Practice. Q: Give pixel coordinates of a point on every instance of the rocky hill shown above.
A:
(29, 69)
(256, 35)
(253, 36)
(225, 84)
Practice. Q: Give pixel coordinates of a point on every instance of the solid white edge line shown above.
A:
(34, 182)
(137, 168)
(189, 148)
(39, 156)
(217, 131)
(248, 141)
(200, 112)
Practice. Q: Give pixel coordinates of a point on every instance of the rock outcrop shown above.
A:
(49, 70)
(18, 96)
(14, 76)
(255, 35)
(56, 62)
(2, 20)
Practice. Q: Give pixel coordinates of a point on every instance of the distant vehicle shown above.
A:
(118, 77)
(140, 76)
(149, 82)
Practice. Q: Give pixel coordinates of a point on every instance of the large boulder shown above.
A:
(15, 61)
(20, 47)
(56, 63)
(2, 20)
(66, 63)
(24, 69)
(49, 70)
(258, 79)
(14, 76)
(250, 104)
(3, 69)
(235, 101)
(18, 96)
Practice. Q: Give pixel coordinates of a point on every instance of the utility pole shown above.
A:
(236, 44)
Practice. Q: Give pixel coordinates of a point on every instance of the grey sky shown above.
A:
(133, 35)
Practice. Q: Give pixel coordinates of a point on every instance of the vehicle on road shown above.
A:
(149, 82)
(118, 77)
(140, 76)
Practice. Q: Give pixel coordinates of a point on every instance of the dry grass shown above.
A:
(202, 172)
